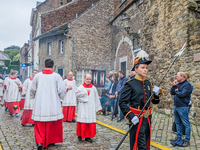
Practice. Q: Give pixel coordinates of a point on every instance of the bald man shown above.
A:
(88, 105)
(181, 90)
(69, 102)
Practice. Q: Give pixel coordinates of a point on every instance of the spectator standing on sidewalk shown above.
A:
(112, 96)
(181, 90)
(119, 89)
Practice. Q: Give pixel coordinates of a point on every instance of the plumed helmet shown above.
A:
(141, 58)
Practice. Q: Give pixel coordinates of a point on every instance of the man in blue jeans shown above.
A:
(181, 90)
(119, 89)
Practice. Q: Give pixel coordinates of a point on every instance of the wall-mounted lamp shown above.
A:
(126, 23)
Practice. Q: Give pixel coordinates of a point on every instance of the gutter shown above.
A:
(72, 43)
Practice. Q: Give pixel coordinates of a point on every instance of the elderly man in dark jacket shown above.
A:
(119, 89)
(181, 90)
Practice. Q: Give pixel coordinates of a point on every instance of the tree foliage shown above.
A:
(11, 52)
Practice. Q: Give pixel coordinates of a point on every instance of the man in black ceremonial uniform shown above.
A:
(136, 92)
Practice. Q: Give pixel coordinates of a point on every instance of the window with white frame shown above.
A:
(61, 46)
(49, 48)
(80, 76)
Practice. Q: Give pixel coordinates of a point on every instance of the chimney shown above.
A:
(61, 2)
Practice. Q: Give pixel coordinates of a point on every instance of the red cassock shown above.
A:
(26, 117)
(69, 113)
(21, 103)
(86, 130)
(10, 107)
(48, 132)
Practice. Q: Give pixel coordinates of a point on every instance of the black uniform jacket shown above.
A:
(135, 93)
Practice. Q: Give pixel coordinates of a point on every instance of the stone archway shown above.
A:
(125, 47)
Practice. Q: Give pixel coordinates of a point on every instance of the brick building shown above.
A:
(89, 36)
(35, 23)
(90, 49)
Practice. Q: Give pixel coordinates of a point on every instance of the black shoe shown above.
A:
(32, 125)
(89, 140)
(39, 146)
(79, 138)
(73, 120)
(23, 125)
(174, 139)
(186, 144)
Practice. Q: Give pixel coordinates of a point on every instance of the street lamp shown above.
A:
(126, 23)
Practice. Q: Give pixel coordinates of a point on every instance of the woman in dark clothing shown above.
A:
(112, 96)
(105, 102)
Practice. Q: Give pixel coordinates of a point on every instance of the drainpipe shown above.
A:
(72, 41)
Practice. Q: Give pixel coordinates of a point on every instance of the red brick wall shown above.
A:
(64, 14)
(49, 5)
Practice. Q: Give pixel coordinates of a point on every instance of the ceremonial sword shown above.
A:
(176, 56)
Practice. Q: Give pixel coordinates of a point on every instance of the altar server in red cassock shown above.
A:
(29, 103)
(69, 102)
(47, 89)
(88, 105)
(12, 87)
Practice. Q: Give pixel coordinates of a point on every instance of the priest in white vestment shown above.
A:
(47, 89)
(69, 102)
(13, 86)
(88, 105)
(29, 103)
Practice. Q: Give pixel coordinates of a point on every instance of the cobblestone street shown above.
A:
(15, 137)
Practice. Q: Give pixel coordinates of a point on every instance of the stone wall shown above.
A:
(163, 28)
(91, 32)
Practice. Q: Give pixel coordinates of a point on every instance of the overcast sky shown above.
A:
(15, 22)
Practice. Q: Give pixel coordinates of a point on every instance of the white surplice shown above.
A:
(29, 103)
(12, 90)
(88, 105)
(47, 90)
(70, 96)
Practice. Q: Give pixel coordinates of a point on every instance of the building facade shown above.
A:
(162, 28)
(93, 39)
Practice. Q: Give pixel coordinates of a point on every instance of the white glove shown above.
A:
(135, 120)
(156, 90)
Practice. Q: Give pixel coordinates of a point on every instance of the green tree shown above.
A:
(11, 52)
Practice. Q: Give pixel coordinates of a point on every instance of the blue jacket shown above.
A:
(113, 88)
(107, 85)
(121, 84)
(183, 95)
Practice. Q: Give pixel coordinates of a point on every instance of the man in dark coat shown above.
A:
(136, 92)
